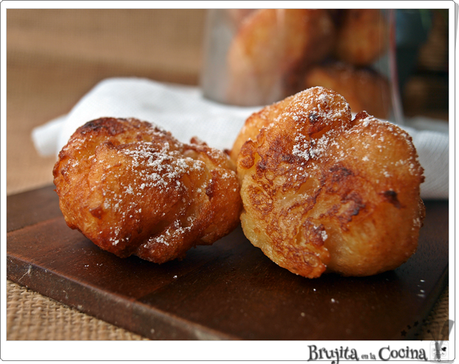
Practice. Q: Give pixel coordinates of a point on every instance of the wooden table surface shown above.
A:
(53, 58)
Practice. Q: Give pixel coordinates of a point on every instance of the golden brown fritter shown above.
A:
(322, 192)
(364, 89)
(363, 36)
(269, 47)
(132, 188)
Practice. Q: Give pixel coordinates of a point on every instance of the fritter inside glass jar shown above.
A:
(324, 193)
(270, 47)
(363, 88)
(133, 189)
(363, 36)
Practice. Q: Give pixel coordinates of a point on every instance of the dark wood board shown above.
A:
(229, 290)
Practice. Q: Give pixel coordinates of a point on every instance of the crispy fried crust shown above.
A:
(322, 192)
(132, 188)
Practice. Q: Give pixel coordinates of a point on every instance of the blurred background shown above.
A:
(422, 53)
(54, 57)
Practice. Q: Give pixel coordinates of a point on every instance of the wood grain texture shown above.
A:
(226, 291)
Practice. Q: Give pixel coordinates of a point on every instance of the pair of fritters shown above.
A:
(315, 189)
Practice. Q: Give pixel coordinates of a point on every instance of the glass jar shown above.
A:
(254, 57)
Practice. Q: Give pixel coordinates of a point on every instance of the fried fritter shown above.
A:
(362, 37)
(269, 46)
(364, 89)
(133, 189)
(324, 193)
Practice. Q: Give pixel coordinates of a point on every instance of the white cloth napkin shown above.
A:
(186, 113)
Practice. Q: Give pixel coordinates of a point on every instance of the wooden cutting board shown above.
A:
(229, 290)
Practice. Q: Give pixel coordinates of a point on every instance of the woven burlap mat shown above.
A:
(32, 316)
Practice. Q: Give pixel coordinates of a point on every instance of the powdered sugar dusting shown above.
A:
(382, 144)
(300, 148)
(151, 167)
(365, 133)
(321, 111)
(158, 168)
(317, 102)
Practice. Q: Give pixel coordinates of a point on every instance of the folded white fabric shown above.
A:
(186, 113)
(179, 109)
